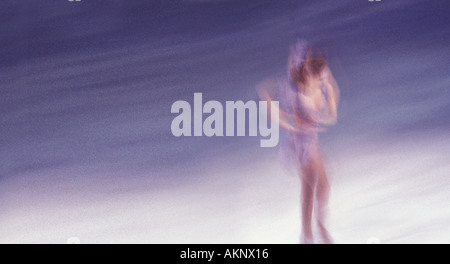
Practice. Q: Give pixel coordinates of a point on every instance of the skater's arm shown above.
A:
(332, 98)
(282, 116)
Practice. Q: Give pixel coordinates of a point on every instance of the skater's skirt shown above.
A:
(299, 148)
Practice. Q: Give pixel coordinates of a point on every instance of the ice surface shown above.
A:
(86, 150)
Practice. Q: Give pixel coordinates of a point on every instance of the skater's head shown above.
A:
(305, 65)
(310, 71)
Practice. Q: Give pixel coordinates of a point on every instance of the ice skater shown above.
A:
(308, 99)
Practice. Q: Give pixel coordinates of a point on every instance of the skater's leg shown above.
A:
(307, 200)
(322, 197)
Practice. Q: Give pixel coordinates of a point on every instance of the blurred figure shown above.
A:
(307, 100)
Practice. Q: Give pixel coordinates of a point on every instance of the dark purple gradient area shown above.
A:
(87, 151)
